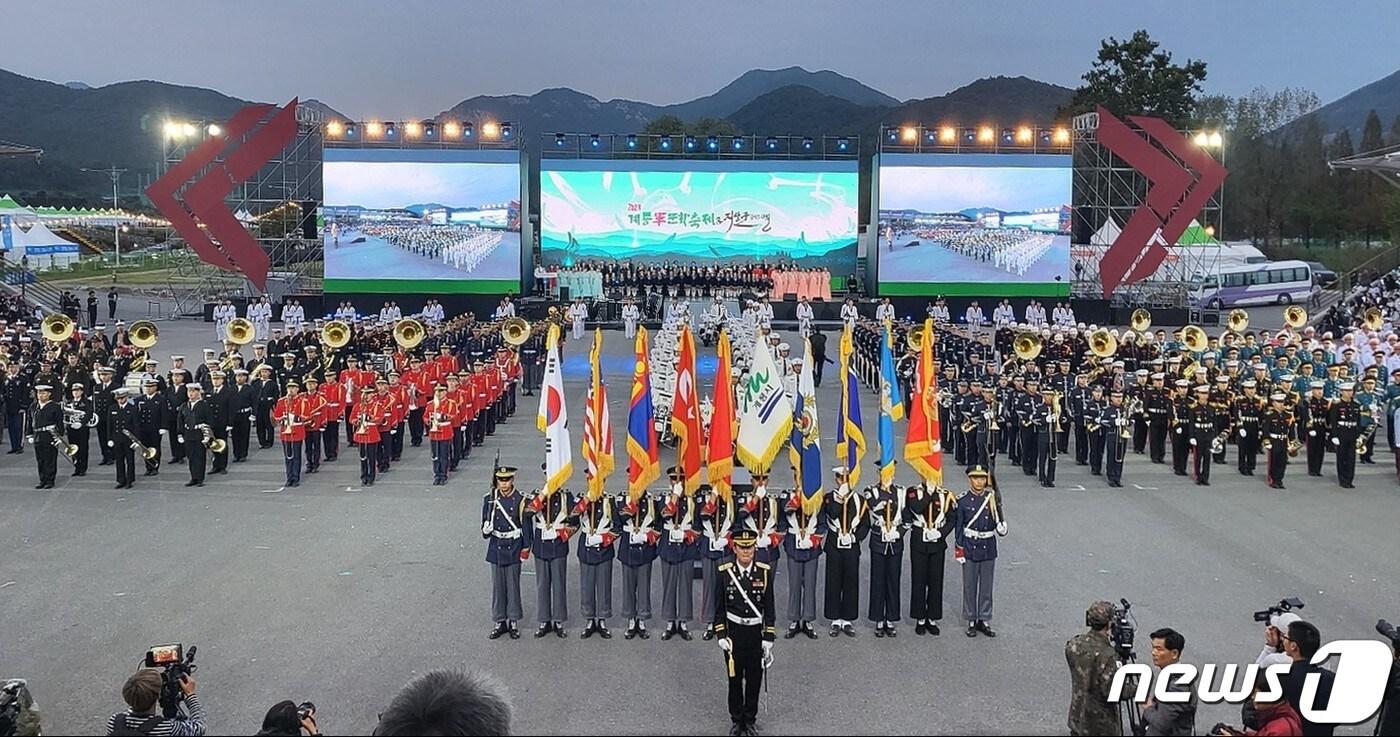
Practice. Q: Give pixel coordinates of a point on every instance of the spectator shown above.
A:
(447, 703)
(1169, 718)
(284, 718)
(1301, 642)
(142, 695)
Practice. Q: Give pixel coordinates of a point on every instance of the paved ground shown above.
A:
(339, 595)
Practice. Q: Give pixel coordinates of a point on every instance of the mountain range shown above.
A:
(120, 124)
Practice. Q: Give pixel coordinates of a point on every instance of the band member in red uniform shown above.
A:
(315, 411)
(421, 392)
(364, 424)
(334, 393)
(461, 429)
(403, 397)
(446, 362)
(441, 417)
(355, 380)
(290, 415)
(386, 417)
(481, 404)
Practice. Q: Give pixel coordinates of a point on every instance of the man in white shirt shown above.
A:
(885, 311)
(385, 314)
(510, 307)
(395, 312)
(1035, 314)
(805, 316)
(630, 316)
(1003, 315)
(1064, 316)
(849, 314)
(578, 313)
(765, 312)
(973, 315)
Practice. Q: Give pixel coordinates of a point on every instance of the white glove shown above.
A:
(486, 528)
(164, 431)
(726, 644)
(110, 444)
(1193, 441)
(767, 648)
(767, 655)
(1312, 433)
(180, 439)
(1244, 433)
(1001, 528)
(1337, 442)
(760, 491)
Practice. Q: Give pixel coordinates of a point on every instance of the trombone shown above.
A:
(215, 445)
(146, 452)
(66, 449)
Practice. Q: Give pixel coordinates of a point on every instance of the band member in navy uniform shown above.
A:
(640, 522)
(599, 528)
(887, 525)
(1316, 408)
(80, 418)
(744, 624)
(1114, 423)
(847, 524)
(929, 516)
(553, 524)
(717, 518)
(1344, 427)
(503, 524)
(122, 419)
(979, 521)
(1203, 432)
(803, 542)
(1278, 428)
(45, 426)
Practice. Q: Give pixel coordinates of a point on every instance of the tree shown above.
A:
(1371, 133)
(1341, 146)
(1135, 77)
(670, 124)
(1395, 132)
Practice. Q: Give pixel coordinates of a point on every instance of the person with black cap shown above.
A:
(103, 399)
(929, 515)
(1278, 428)
(552, 524)
(152, 415)
(678, 551)
(1032, 407)
(848, 522)
(744, 624)
(1344, 427)
(45, 426)
(979, 520)
(80, 417)
(508, 536)
(123, 431)
(195, 415)
(1203, 433)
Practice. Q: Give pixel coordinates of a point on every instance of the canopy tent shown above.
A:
(11, 150)
(1194, 235)
(1383, 162)
(44, 248)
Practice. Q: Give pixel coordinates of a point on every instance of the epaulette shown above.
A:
(759, 564)
(724, 566)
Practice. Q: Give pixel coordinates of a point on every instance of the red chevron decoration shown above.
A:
(1182, 179)
(250, 139)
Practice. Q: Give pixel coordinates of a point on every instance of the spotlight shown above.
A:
(771, 143)
(187, 129)
(631, 140)
(910, 134)
(1007, 135)
(1216, 140)
(892, 135)
(595, 141)
(1062, 136)
(1045, 136)
(559, 140)
(389, 130)
(214, 130)
(334, 129)
(807, 143)
(1024, 135)
(712, 143)
(948, 134)
(985, 134)
(374, 129)
(843, 143)
(1202, 139)
(1210, 230)
(451, 129)
(690, 143)
(931, 135)
(506, 130)
(412, 130)
(349, 130)
(738, 143)
(429, 129)
(490, 130)
(172, 129)
(468, 130)
(665, 143)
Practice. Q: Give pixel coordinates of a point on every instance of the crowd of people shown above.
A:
(1014, 250)
(628, 278)
(462, 247)
(82, 312)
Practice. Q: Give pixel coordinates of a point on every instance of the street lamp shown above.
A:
(123, 228)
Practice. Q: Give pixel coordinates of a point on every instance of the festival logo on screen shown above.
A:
(1183, 177)
(248, 141)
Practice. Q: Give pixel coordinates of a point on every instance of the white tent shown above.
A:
(44, 249)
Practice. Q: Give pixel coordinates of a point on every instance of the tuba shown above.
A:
(1237, 321)
(1027, 346)
(1141, 320)
(57, 327)
(1194, 338)
(1102, 343)
(408, 333)
(336, 334)
(1295, 316)
(915, 340)
(240, 331)
(1372, 318)
(143, 334)
(515, 330)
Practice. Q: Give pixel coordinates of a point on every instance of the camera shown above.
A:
(175, 665)
(305, 709)
(1285, 605)
(1388, 631)
(1123, 631)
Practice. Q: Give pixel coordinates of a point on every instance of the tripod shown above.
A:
(1128, 710)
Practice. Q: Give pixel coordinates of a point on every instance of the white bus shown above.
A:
(1278, 282)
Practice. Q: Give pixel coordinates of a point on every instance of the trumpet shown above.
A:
(146, 452)
(73, 417)
(1217, 444)
(208, 440)
(440, 421)
(1293, 447)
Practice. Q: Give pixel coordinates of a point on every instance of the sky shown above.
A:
(414, 58)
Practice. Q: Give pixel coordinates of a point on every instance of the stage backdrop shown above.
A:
(421, 221)
(973, 224)
(650, 212)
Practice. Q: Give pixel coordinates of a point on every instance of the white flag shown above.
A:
(765, 415)
(553, 420)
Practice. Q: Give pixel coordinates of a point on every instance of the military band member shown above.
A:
(744, 623)
(268, 392)
(1096, 431)
(314, 410)
(364, 426)
(1027, 411)
(291, 415)
(847, 522)
(978, 522)
(79, 417)
(1315, 422)
(122, 427)
(1344, 427)
(1247, 410)
(387, 420)
(552, 524)
(1278, 428)
(678, 551)
(220, 399)
(1180, 426)
(439, 416)
(887, 526)
(1138, 390)
(152, 417)
(927, 513)
(1221, 399)
(1157, 405)
(504, 526)
(718, 516)
(802, 540)
(1203, 432)
(1046, 422)
(637, 552)
(194, 416)
(1082, 409)
(334, 395)
(242, 405)
(599, 528)
(103, 399)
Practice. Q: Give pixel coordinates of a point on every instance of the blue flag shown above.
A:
(891, 406)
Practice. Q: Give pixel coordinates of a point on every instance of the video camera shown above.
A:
(1123, 631)
(176, 665)
(1284, 605)
(14, 700)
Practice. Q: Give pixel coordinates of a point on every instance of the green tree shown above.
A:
(1366, 213)
(702, 127)
(1395, 132)
(1137, 77)
(1371, 133)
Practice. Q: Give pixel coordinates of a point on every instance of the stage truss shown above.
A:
(1107, 191)
(278, 205)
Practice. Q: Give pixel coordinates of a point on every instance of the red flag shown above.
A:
(719, 450)
(685, 414)
(921, 446)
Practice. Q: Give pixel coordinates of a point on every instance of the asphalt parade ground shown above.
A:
(338, 594)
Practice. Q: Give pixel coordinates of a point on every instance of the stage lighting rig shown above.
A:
(664, 143)
(334, 129)
(412, 129)
(595, 140)
(451, 129)
(948, 135)
(910, 134)
(738, 143)
(771, 143)
(807, 143)
(690, 143)
(374, 129)
(558, 140)
(507, 130)
(631, 140)
(843, 143)
(490, 130)
(712, 143)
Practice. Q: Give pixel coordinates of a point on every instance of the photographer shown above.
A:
(1274, 631)
(18, 715)
(1276, 718)
(1169, 718)
(288, 719)
(142, 693)
(1301, 642)
(1388, 721)
(1092, 662)
(447, 703)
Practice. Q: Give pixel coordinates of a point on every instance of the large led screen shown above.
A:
(974, 224)
(421, 221)
(654, 212)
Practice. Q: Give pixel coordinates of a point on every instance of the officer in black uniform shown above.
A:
(1082, 409)
(532, 362)
(176, 394)
(1157, 404)
(1247, 409)
(1277, 427)
(744, 626)
(102, 401)
(1113, 422)
(45, 426)
(1046, 422)
(268, 391)
(241, 406)
(220, 401)
(78, 415)
(122, 419)
(152, 417)
(1315, 423)
(194, 413)
(1027, 413)
(1203, 432)
(1344, 427)
(1180, 427)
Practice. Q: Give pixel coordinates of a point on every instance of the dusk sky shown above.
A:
(406, 58)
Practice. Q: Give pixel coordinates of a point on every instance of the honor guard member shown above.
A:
(152, 418)
(195, 415)
(268, 392)
(364, 425)
(80, 419)
(802, 540)
(1179, 426)
(887, 526)
(552, 524)
(314, 410)
(1203, 433)
(103, 399)
(1157, 403)
(122, 427)
(1046, 421)
(678, 551)
(927, 512)
(220, 400)
(598, 528)
(1081, 411)
(508, 535)
(1094, 428)
(744, 624)
(1116, 426)
(718, 516)
(978, 521)
(1314, 420)
(291, 417)
(762, 512)
(1278, 429)
(637, 551)
(1343, 428)
(847, 523)
(439, 417)
(1247, 409)
(241, 406)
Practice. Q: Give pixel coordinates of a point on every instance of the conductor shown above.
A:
(744, 626)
